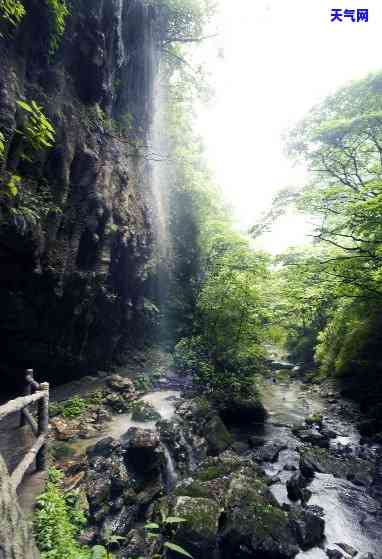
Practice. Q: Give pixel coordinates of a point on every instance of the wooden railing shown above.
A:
(33, 392)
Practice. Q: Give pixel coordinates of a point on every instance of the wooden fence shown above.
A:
(33, 392)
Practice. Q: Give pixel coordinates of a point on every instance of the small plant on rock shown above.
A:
(166, 527)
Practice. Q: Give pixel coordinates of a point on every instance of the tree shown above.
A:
(341, 143)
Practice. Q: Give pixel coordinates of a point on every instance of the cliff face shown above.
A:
(73, 286)
(16, 538)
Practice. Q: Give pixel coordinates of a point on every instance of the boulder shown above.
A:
(357, 470)
(308, 526)
(334, 554)
(255, 526)
(270, 451)
(313, 437)
(217, 436)
(242, 409)
(121, 384)
(143, 451)
(198, 533)
(142, 411)
(348, 549)
(295, 486)
(65, 430)
(119, 403)
(106, 478)
(104, 448)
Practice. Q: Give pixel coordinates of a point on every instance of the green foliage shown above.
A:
(142, 383)
(227, 349)
(166, 527)
(75, 407)
(71, 409)
(331, 292)
(185, 20)
(59, 11)
(11, 12)
(3, 144)
(58, 521)
(11, 184)
(37, 129)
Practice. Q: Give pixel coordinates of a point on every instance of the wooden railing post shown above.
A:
(43, 427)
(27, 392)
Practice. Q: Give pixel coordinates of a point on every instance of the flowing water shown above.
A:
(162, 401)
(352, 515)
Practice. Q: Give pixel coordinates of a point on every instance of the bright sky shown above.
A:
(280, 57)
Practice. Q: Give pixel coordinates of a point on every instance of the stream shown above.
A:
(351, 514)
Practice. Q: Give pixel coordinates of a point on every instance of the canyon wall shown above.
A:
(74, 284)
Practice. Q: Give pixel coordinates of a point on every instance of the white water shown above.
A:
(171, 475)
(351, 514)
(121, 46)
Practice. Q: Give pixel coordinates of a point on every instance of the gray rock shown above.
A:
(270, 451)
(321, 460)
(121, 384)
(334, 554)
(295, 485)
(308, 526)
(16, 535)
(143, 452)
(348, 549)
(313, 437)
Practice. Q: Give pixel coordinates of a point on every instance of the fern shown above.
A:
(11, 12)
(59, 12)
(37, 130)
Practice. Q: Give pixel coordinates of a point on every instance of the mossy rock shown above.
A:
(220, 466)
(193, 489)
(314, 419)
(242, 409)
(254, 523)
(217, 436)
(322, 461)
(198, 533)
(142, 411)
(61, 451)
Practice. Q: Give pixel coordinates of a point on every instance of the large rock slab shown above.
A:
(321, 460)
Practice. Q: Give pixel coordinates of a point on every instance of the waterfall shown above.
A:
(171, 476)
(162, 176)
(120, 46)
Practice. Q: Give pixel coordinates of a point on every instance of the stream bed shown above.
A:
(351, 514)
